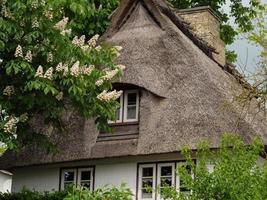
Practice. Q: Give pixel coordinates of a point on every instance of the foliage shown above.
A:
(242, 14)
(26, 194)
(258, 79)
(113, 193)
(44, 66)
(238, 174)
(73, 193)
(88, 17)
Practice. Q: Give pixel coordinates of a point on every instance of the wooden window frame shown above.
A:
(140, 178)
(63, 177)
(159, 166)
(80, 170)
(123, 108)
(77, 176)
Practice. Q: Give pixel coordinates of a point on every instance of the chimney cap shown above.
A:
(198, 9)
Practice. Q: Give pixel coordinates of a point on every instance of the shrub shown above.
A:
(114, 193)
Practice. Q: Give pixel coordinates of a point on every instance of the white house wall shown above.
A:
(5, 182)
(110, 172)
(40, 179)
(116, 174)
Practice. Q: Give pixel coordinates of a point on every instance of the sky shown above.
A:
(248, 54)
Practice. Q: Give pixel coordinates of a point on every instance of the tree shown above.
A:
(239, 173)
(243, 16)
(258, 79)
(44, 65)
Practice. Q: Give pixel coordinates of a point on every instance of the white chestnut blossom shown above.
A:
(65, 69)
(121, 67)
(60, 67)
(110, 74)
(107, 96)
(98, 48)
(99, 82)
(59, 97)
(10, 126)
(39, 72)
(79, 41)
(28, 56)
(50, 57)
(24, 117)
(19, 52)
(118, 48)
(35, 23)
(34, 4)
(75, 70)
(9, 90)
(1, 61)
(49, 73)
(48, 14)
(88, 70)
(66, 32)
(61, 25)
(92, 42)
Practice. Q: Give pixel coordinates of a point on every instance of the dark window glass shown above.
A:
(86, 184)
(147, 182)
(69, 176)
(166, 171)
(132, 99)
(86, 175)
(148, 172)
(166, 182)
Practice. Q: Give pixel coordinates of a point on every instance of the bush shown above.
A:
(26, 194)
(120, 193)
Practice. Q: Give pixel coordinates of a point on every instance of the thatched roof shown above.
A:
(186, 97)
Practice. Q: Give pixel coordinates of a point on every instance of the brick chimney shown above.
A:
(206, 24)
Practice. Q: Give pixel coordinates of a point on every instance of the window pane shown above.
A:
(146, 194)
(166, 171)
(68, 176)
(132, 99)
(147, 183)
(86, 175)
(164, 182)
(86, 184)
(118, 112)
(131, 112)
(148, 172)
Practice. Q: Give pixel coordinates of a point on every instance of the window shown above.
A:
(147, 182)
(153, 177)
(68, 178)
(79, 176)
(129, 107)
(166, 175)
(180, 185)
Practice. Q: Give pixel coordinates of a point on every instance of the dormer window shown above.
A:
(129, 107)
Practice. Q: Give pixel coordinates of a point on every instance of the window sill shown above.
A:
(120, 131)
(123, 124)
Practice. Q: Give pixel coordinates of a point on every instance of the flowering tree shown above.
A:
(43, 66)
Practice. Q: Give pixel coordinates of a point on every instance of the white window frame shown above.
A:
(178, 164)
(160, 165)
(121, 116)
(126, 106)
(77, 176)
(141, 167)
(63, 177)
(80, 170)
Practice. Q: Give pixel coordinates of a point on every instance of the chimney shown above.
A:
(206, 25)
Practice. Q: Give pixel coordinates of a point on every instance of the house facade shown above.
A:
(177, 90)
